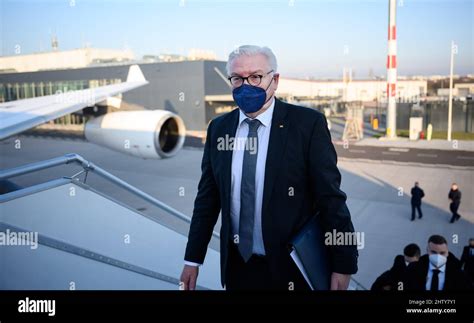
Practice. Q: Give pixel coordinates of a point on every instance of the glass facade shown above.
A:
(19, 91)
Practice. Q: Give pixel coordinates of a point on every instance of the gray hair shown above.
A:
(252, 50)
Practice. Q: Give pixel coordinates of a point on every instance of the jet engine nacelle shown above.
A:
(144, 134)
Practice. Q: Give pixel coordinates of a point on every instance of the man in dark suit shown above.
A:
(455, 197)
(467, 259)
(438, 270)
(416, 195)
(391, 279)
(285, 173)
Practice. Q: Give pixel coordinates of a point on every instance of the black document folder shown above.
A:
(310, 254)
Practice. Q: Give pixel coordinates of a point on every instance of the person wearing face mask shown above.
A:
(467, 259)
(267, 189)
(391, 279)
(438, 270)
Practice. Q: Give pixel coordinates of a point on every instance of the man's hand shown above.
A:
(340, 281)
(189, 277)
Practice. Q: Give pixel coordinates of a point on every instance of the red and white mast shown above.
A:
(391, 131)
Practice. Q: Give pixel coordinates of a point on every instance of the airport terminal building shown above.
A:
(195, 90)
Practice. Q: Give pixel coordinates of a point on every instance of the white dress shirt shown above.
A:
(441, 276)
(241, 134)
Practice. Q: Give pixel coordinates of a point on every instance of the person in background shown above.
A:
(416, 195)
(437, 270)
(455, 197)
(390, 279)
(467, 259)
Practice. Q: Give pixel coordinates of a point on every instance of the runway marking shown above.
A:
(427, 155)
(360, 151)
(404, 150)
(389, 153)
(464, 157)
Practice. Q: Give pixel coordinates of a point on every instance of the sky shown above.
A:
(310, 38)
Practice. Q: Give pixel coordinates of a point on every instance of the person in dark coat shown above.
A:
(258, 217)
(455, 197)
(391, 279)
(467, 259)
(438, 270)
(416, 195)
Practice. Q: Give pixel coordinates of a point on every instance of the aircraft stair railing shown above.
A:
(91, 167)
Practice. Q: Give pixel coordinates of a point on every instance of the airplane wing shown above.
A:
(18, 116)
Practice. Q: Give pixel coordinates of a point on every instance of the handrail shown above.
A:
(361, 287)
(89, 166)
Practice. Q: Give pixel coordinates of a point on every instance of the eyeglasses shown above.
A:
(254, 79)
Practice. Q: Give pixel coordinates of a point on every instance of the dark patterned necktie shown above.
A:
(247, 191)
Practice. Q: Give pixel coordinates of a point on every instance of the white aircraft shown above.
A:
(145, 134)
(64, 233)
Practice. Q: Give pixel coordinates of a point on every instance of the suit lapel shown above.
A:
(230, 130)
(276, 149)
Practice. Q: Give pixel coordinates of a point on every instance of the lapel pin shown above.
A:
(281, 126)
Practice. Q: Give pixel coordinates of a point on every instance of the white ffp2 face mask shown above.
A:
(438, 260)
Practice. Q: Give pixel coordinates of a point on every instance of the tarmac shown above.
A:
(378, 194)
(434, 144)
